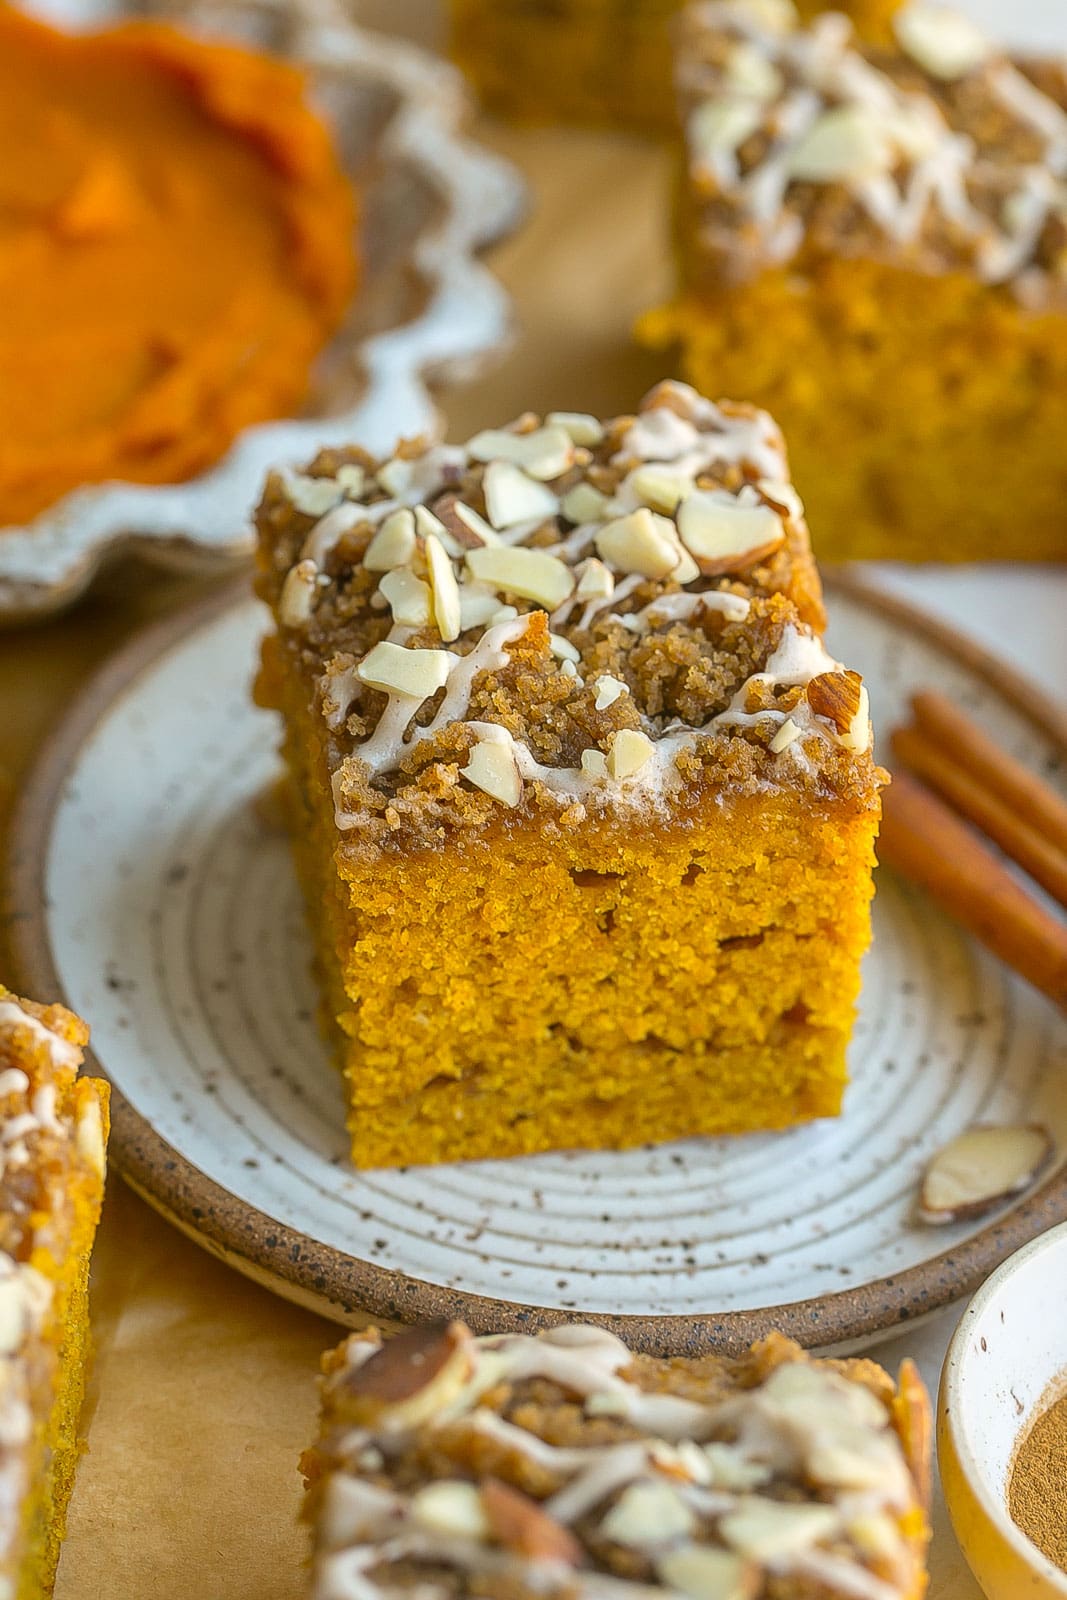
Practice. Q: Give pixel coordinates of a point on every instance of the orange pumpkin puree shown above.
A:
(176, 245)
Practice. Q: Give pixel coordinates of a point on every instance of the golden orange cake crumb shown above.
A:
(583, 810)
(591, 61)
(53, 1136)
(564, 1466)
(873, 238)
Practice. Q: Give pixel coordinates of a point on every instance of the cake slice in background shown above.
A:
(592, 61)
(563, 1465)
(583, 809)
(53, 1135)
(874, 241)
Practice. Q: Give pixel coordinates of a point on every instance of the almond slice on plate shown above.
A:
(980, 1168)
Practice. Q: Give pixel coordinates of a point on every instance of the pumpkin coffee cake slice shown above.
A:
(53, 1133)
(583, 809)
(565, 1468)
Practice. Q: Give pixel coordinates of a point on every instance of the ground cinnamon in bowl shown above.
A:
(1037, 1493)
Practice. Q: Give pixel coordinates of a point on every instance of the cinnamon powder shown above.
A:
(1037, 1494)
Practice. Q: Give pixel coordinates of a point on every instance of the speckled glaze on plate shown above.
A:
(425, 307)
(163, 907)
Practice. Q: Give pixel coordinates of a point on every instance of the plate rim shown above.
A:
(355, 1291)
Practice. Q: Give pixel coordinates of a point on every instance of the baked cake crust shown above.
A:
(562, 1465)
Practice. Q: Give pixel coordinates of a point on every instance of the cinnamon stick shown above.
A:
(972, 748)
(926, 842)
(1006, 825)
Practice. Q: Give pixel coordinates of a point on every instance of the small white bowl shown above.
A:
(1007, 1352)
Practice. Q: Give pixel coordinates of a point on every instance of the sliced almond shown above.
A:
(641, 543)
(584, 503)
(782, 496)
(845, 144)
(595, 767)
(395, 670)
(608, 690)
(478, 605)
(451, 1507)
(751, 72)
(468, 526)
(723, 125)
(630, 751)
(520, 1524)
(563, 650)
(429, 526)
(512, 496)
(650, 1513)
(544, 453)
(530, 573)
(408, 597)
(352, 478)
(701, 1572)
(491, 768)
(595, 582)
(724, 534)
(732, 1469)
(410, 1378)
(447, 612)
(297, 599)
(788, 733)
(393, 545)
(659, 488)
(941, 40)
(982, 1168)
(395, 476)
(836, 696)
(772, 1530)
(580, 425)
(312, 497)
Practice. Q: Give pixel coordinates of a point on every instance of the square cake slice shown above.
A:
(564, 1466)
(874, 238)
(583, 809)
(53, 1134)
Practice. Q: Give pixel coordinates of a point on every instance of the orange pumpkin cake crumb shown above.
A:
(583, 809)
(53, 1135)
(176, 245)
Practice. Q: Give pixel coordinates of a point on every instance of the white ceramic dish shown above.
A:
(160, 906)
(1007, 1359)
(425, 307)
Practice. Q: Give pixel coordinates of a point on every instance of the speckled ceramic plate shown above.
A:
(425, 307)
(151, 893)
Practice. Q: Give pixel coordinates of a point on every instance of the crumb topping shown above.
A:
(563, 1466)
(565, 613)
(945, 153)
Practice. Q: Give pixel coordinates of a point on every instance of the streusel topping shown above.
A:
(562, 613)
(946, 153)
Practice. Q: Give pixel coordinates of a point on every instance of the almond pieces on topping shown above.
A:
(595, 582)
(641, 543)
(491, 768)
(394, 543)
(648, 1514)
(724, 534)
(409, 1379)
(512, 496)
(771, 1530)
(700, 1572)
(981, 1168)
(608, 690)
(630, 751)
(451, 1507)
(408, 597)
(582, 427)
(530, 573)
(584, 503)
(846, 143)
(941, 40)
(395, 670)
(297, 599)
(520, 1524)
(543, 453)
(444, 589)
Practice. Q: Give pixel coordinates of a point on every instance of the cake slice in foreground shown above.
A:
(563, 1465)
(583, 809)
(53, 1134)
